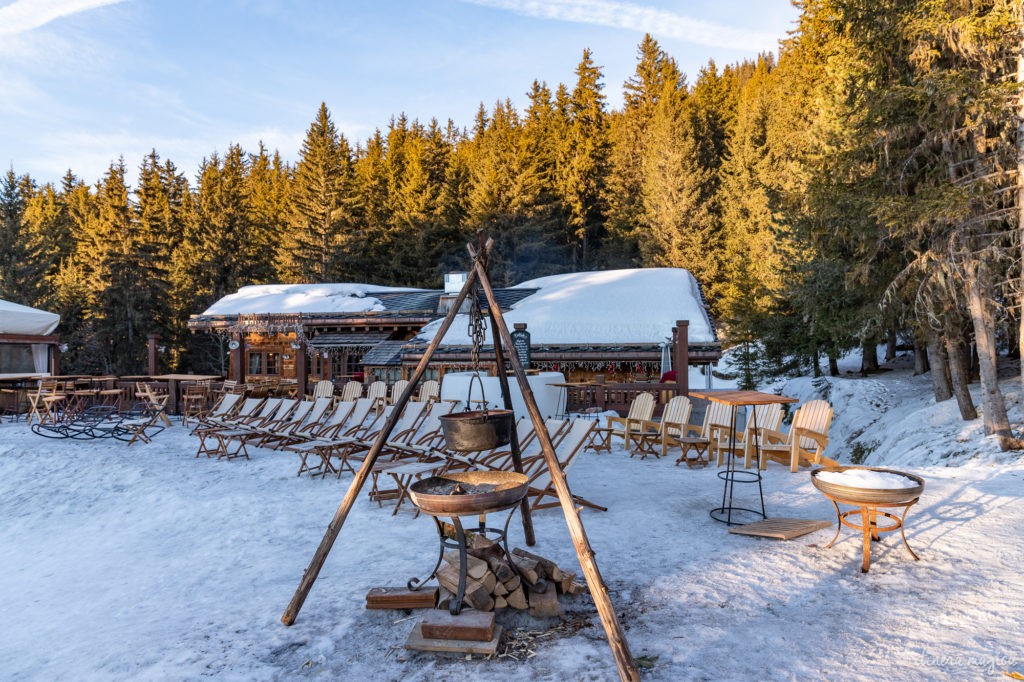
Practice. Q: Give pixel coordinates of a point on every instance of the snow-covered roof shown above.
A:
(637, 306)
(270, 299)
(21, 319)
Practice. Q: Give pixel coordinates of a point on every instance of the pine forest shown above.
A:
(861, 187)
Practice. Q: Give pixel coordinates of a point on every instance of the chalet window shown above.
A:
(264, 363)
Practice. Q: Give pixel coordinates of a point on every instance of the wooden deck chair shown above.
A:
(139, 423)
(309, 438)
(672, 425)
(323, 389)
(806, 440)
(193, 401)
(765, 417)
(223, 420)
(328, 445)
(430, 390)
(629, 428)
(351, 391)
(276, 410)
(319, 409)
(702, 439)
(155, 397)
(397, 389)
(567, 451)
(377, 391)
(278, 430)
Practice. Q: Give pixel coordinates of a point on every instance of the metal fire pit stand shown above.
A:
(498, 535)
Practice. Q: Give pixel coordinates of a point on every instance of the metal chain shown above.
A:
(477, 329)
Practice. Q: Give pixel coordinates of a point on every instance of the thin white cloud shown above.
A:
(22, 16)
(662, 23)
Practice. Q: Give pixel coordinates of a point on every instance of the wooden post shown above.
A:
(55, 359)
(681, 361)
(152, 347)
(301, 369)
(237, 360)
(334, 527)
(598, 590)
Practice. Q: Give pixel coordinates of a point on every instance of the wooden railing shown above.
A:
(618, 397)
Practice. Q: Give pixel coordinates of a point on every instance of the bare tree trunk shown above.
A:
(890, 345)
(993, 405)
(958, 373)
(833, 364)
(939, 361)
(920, 356)
(1020, 173)
(869, 356)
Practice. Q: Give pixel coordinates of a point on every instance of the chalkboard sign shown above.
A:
(521, 342)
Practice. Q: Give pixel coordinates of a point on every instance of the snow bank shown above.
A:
(865, 478)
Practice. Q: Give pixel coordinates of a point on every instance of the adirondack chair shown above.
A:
(430, 390)
(806, 440)
(323, 389)
(397, 389)
(763, 417)
(629, 428)
(351, 391)
(704, 438)
(656, 435)
(378, 392)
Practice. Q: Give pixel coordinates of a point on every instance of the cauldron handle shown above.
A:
(469, 393)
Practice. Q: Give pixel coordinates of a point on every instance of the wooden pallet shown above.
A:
(781, 529)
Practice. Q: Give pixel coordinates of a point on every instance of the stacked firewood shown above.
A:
(495, 580)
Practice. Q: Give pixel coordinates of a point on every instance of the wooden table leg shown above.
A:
(867, 522)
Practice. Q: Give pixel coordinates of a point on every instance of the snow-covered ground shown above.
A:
(143, 562)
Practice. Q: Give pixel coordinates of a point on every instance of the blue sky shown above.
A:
(85, 81)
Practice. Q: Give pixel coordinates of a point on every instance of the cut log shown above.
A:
(544, 604)
(517, 599)
(527, 569)
(499, 589)
(476, 595)
(565, 583)
(577, 587)
(512, 583)
(475, 568)
(444, 598)
(477, 626)
(401, 598)
(488, 581)
(549, 568)
(500, 603)
(495, 558)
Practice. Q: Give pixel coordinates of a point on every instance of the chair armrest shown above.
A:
(770, 436)
(615, 420)
(647, 425)
(692, 429)
(820, 438)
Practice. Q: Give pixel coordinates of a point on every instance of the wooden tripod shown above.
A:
(624, 662)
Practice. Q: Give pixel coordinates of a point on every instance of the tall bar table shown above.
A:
(736, 399)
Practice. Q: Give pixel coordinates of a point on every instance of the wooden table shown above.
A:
(736, 399)
(173, 381)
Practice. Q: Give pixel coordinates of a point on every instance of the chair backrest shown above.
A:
(317, 411)
(397, 389)
(412, 414)
(358, 416)
(323, 389)
(335, 422)
(351, 391)
(226, 404)
(676, 415)
(642, 407)
(430, 390)
(765, 417)
(378, 390)
(570, 445)
(717, 420)
(814, 415)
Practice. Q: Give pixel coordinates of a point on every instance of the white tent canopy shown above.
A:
(21, 319)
